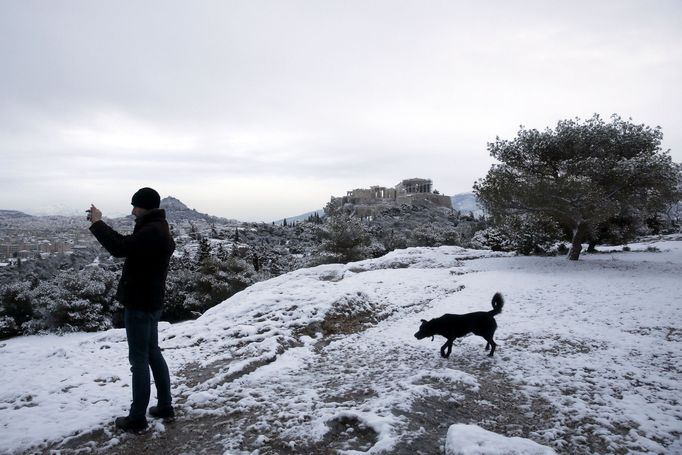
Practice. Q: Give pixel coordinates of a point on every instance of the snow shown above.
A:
(474, 440)
(331, 348)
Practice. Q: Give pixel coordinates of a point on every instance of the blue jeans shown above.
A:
(143, 353)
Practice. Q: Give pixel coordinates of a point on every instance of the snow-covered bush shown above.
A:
(191, 292)
(15, 305)
(70, 301)
(78, 315)
(74, 301)
(492, 239)
(390, 239)
(345, 237)
(525, 234)
(8, 327)
(533, 235)
(433, 235)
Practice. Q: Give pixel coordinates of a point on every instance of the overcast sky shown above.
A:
(259, 110)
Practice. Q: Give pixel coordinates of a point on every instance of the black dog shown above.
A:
(453, 326)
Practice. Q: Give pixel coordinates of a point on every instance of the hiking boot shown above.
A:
(165, 412)
(128, 424)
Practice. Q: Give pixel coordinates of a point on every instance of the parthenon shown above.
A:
(365, 202)
(412, 186)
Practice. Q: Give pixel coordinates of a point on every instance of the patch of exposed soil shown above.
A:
(496, 406)
(196, 435)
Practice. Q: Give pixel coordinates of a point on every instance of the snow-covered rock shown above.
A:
(473, 440)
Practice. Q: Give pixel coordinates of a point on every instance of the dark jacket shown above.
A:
(147, 251)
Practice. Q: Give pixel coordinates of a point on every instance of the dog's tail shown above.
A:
(498, 303)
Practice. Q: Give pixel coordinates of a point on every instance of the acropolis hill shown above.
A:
(365, 202)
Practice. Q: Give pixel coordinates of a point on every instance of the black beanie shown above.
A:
(146, 198)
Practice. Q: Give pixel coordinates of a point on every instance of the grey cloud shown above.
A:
(361, 91)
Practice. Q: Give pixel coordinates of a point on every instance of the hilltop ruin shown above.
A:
(366, 202)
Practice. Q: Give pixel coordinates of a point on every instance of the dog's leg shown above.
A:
(487, 346)
(442, 349)
(448, 346)
(449, 343)
(491, 343)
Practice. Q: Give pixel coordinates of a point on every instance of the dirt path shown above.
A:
(497, 406)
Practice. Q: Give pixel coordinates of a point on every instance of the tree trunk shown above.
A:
(579, 234)
(591, 246)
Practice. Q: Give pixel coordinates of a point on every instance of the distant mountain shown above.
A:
(176, 210)
(171, 204)
(13, 214)
(467, 202)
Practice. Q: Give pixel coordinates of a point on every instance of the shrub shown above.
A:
(8, 327)
(74, 301)
(15, 303)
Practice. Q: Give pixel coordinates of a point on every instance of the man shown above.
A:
(141, 291)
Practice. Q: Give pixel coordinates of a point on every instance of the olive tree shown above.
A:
(581, 174)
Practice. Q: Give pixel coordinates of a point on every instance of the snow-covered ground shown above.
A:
(324, 359)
